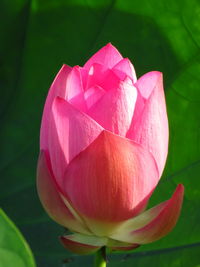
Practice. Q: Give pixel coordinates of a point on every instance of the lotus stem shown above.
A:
(100, 258)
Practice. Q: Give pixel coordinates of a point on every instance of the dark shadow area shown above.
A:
(13, 32)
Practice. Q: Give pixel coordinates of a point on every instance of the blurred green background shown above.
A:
(37, 37)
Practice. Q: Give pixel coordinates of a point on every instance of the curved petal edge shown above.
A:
(154, 223)
(71, 131)
(151, 127)
(58, 88)
(108, 56)
(51, 199)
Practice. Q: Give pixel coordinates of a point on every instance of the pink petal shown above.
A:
(153, 224)
(151, 128)
(81, 244)
(111, 180)
(75, 92)
(58, 88)
(76, 247)
(71, 131)
(118, 245)
(115, 109)
(102, 77)
(126, 248)
(51, 199)
(84, 76)
(146, 83)
(125, 68)
(108, 56)
(139, 107)
(92, 95)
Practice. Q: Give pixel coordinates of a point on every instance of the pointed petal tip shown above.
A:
(126, 59)
(109, 44)
(108, 56)
(63, 69)
(165, 221)
(181, 187)
(76, 67)
(64, 66)
(159, 75)
(150, 77)
(58, 87)
(125, 68)
(154, 73)
(154, 223)
(150, 127)
(179, 192)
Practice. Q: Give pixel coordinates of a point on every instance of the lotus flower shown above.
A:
(104, 143)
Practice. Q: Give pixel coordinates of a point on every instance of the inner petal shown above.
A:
(102, 77)
(70, 132)
(114, 111)
(75, 92)
(125, 68)
(92, 95)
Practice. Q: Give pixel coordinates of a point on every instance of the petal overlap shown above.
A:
(52, 201)
(58, 88)
(75, 91)
(151, 127)
(114, 111)
(71, 131)
(125, 68)
(102, 77)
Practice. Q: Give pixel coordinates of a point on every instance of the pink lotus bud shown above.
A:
(104, 143)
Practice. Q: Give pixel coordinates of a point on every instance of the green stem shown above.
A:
(100, 258)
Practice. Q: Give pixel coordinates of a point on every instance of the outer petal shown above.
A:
(126, 248)
(71, 131)
(147, 83)
(154, 223)
(52, 201)
(115, 109)
(125, 68)
(111, 180)
(118, 245)
(108, 56)
(82, 244)
(58, 88)
(151, 127)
